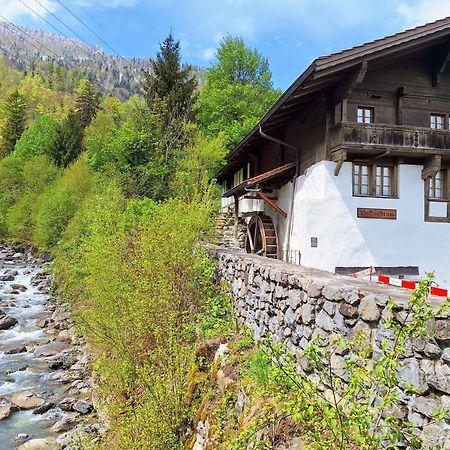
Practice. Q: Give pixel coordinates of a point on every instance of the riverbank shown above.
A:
(45, 375)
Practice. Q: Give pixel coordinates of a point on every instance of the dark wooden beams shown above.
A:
(432, 165)
(346, 88)
(441, 67)
(269, 201)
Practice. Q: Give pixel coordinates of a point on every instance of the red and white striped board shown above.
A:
(440, 292)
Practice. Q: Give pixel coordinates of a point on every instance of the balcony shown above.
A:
(397, 140)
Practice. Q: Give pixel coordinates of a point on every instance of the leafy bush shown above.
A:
(39, 138)
(59, 203)
(37, 174)
(11, 187)
(139, 316)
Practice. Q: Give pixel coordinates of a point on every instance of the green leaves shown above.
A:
(14, 125)
(237, 92)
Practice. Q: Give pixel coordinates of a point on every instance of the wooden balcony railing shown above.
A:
(379, 136)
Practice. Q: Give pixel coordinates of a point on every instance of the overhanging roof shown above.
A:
(326, 71)
(279, 172)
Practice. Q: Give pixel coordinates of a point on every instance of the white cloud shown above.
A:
(207, 54)
(14, 10)
(422, 11)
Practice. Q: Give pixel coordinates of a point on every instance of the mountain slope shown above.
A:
(62, 61)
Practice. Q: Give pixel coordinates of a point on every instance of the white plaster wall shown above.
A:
(325, 208)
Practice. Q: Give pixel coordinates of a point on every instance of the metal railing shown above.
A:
(292, 256)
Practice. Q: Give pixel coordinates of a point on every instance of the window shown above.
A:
(383, 182)
(437, 121)
(436, 186)
(437, 197)
(374, 180)
(365, 114)
(361, 179)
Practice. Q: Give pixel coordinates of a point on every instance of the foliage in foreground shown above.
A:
(136, 276)
(337, 402)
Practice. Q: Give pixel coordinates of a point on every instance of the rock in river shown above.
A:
(48, 443)
(7, 322)
(27, 400)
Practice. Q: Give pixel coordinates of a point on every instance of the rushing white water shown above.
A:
(26, 371)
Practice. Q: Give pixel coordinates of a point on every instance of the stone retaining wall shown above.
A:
(297, 303)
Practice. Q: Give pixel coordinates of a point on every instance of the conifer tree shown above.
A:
(69, 144)
(170, 81)
(15, 111)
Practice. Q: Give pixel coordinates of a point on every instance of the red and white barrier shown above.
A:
(440, 292)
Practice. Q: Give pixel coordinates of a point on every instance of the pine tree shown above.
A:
(69, 143)
(170, 81)
(86, 103)
(15, 111)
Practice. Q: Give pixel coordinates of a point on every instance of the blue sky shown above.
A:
(290, 33)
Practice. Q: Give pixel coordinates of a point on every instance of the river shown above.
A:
(45, 385)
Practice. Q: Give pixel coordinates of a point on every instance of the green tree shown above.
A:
(200, 162)
(86, 102)
(237, 92)
(170, 81)
(39, 139)
(14, 126)
(69, 144)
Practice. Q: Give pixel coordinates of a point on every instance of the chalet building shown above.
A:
(350, 168)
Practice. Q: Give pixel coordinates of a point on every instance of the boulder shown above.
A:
(6, 278)
(5, 412)
(410, 373)
(442, 330)
(348, 310)
(436, 435)
(7, 322)
(52, 349)
(441, 378)
(27, 400)
(324, 321)
(82, 407)
(14, 349)
(65, 424)
(368, 309)
(48, 443)
(44, 408)
(425, 406)
(18, 287)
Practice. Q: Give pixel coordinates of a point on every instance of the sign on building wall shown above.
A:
(377, 213)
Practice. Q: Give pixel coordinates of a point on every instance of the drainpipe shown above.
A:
(290, 224)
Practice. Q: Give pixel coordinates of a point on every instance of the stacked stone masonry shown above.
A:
(295, 304)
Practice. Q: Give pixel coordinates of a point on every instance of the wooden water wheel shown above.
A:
(261, 236)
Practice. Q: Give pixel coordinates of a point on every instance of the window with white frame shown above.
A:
(374, 180)
(365, 114)
(437, 121)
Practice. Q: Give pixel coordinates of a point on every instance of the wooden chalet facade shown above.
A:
(350, 168)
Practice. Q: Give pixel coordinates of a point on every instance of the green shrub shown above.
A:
(39, 138)
(37, 174)
(138, 289)
(59, 203)
(11, 187)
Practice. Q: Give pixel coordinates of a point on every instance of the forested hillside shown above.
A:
(122, 194)
(63, 62)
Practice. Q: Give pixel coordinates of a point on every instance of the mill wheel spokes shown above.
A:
(261, 238)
